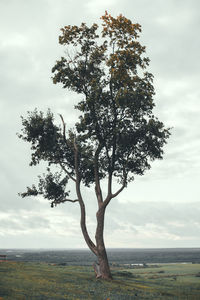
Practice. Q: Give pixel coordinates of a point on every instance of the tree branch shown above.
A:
(110, 183)
(64, 129)
(67, 172)
(69, 200)
(62, 201)
(119, 191)
(96, 173)
(64, 136)
(76, 162)
(87, 238)
(112, 160)
(110, 196)
(123, 186)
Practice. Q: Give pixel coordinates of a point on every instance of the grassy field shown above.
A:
(20, 280)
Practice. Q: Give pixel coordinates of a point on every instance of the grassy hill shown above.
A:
(21, 280)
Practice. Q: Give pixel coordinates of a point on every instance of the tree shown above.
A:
(117, 134)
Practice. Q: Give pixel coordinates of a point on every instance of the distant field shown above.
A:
(29, 281)
(118, 256)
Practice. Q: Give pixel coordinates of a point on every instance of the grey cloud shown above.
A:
(178, 223)
(174, 42)
(152, 212)
(17, 223)
(189, 229)
(28, 50)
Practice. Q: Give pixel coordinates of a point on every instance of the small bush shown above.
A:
(125, 274)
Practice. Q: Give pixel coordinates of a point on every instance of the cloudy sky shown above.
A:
(159, 209)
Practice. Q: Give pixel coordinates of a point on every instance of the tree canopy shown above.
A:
(117, 135)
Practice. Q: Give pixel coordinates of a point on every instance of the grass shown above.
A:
(20, 280)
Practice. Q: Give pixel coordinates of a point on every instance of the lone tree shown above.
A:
(117, 134)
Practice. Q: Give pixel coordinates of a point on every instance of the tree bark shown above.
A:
(89, 242)
(104, 268)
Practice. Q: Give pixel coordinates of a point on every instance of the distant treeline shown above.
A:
(118, 256)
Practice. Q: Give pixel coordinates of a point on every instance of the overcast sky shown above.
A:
(159, 209)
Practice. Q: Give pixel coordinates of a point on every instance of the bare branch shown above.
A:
(63, 201)
(122, 187)
(69, 200)
(119, 191)
(64, 128)
(67, 172)
(110, 195)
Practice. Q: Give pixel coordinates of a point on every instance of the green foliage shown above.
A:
(46, 139)
(117, 133)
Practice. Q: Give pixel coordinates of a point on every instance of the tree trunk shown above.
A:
(104, 268)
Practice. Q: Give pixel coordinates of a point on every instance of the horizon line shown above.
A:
(108, 248)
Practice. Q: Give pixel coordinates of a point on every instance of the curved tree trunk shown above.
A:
(104, 268)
